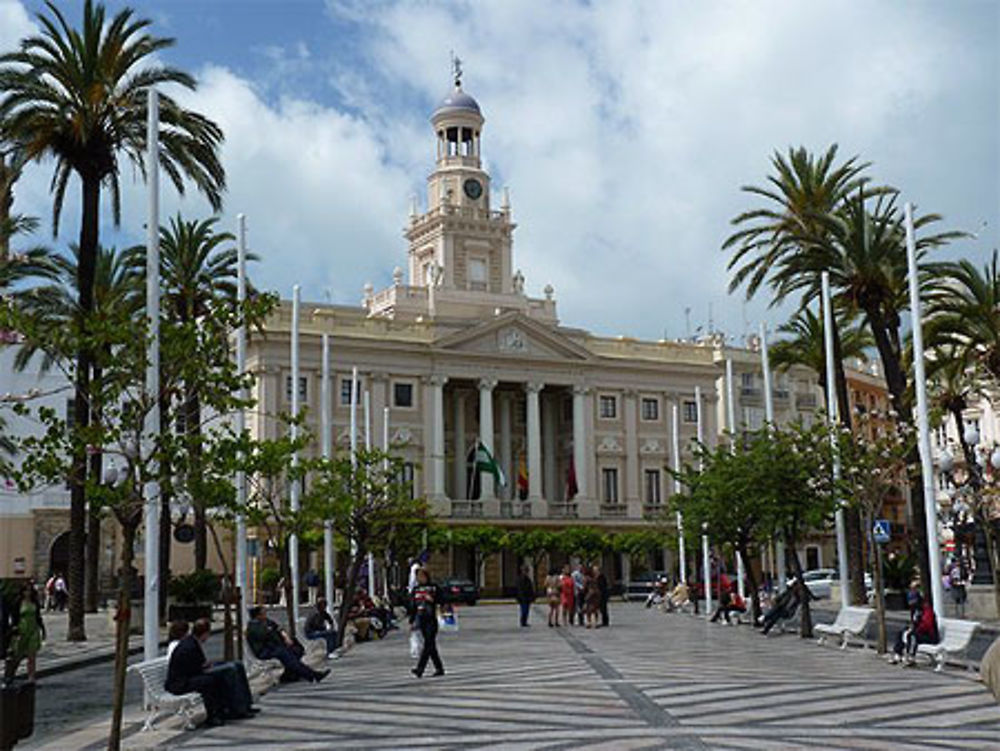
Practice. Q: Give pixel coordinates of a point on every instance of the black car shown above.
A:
(458, 590)
(639, 587)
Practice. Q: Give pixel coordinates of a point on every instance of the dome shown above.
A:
(457, 100)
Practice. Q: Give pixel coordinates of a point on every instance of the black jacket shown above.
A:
(525, 589)
(186, 662)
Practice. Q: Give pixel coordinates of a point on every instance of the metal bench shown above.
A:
(850, 621)
(956, 636)
(154, 675)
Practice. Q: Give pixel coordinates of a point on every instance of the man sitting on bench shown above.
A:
(268, 641)
(187, 673)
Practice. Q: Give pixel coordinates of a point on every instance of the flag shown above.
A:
(571, 487)
(522, 479)
(486, 463)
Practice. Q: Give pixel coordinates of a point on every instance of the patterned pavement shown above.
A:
(651, 681)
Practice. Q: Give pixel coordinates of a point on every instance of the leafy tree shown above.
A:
(485, 540)
(587, 542)
(367, 500)
(78, 96)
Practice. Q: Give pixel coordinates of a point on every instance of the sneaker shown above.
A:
(415, 673)
(437, 673)
(333, 656)
(320, 675)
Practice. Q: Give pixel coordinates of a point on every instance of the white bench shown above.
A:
(956, 636)
(154, 676)
(850, 621)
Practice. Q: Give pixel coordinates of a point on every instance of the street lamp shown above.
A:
(706, 570)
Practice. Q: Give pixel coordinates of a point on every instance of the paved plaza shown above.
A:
(651, 681)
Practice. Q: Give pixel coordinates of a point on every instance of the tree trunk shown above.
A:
(192, 428)
(895, 379)
(883, 641)
(289, 590)
(751, 580)
(86, 266)
(805, 620)
(350, 586)
(227, 600)
(122, 620)
(93, 551)
(166, 498)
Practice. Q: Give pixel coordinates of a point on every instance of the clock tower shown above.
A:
(460, 243)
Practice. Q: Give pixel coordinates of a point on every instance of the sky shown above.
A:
(624, 131)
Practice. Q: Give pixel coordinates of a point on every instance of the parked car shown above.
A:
(458, 590)
(819, 581)
(640, 585)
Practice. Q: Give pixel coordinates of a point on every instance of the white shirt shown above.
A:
(412, 583)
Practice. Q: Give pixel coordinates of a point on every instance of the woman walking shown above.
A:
(30, 629)
(567, 596)
(423, 617)
(552, 588)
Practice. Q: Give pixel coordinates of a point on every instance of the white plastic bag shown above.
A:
(448, 622)
(416, 644)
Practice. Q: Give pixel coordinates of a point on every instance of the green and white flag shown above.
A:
(486, 463)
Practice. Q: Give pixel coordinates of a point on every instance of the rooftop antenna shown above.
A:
(456, 69)
(687, 322)
(711, 320)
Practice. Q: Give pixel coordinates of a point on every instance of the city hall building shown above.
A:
(459, 353)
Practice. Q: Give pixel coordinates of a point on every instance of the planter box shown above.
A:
(895, 600)
(17, 712)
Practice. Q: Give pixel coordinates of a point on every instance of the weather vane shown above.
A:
(456, 69)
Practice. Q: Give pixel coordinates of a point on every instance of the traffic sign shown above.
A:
(880, 530)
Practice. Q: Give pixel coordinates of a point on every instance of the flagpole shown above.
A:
(677, 491)
(706, 573)
(327, 451)
(368, 447)
(385, 469)
(241, 419)
(151, 509)
(769, 417)
(293, 539)
(731, 419)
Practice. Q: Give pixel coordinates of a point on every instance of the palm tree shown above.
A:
(804, 344)
(803, 191)
(864, 251)
(197, 273)
(79, 96)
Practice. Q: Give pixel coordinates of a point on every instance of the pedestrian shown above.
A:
(578, 593)
(553, 586)
(566, 599)
(591, 598)
(958, 581)
(30, 630)
(605, 593)
(50, 593)
(923, 629)
(312, 585)
(61, 593)
(320, 625)
(423, 618)
(525, 595)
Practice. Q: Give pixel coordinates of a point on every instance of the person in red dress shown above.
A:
(566, 600)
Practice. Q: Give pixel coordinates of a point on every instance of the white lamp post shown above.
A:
(769, 417)
(240, 417)
(706, 574)
(293, 540)
(677, 491)
(326, 437)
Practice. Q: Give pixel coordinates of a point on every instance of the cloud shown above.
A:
(624, 131)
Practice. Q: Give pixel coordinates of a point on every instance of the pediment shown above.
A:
(513, 335)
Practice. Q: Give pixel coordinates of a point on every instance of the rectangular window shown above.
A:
(609, 484)
(746, 380)
(402, 395)
(303, 381)
(650, 409)
(608, 407)
(406, 477)
(345, 392)
(477, 274)
(690, 412)
(653, 487)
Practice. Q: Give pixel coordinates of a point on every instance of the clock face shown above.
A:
(473, 188)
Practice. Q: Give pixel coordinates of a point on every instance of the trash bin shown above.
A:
(17, 712)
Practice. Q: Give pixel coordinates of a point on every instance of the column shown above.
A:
(459, 470)
(580, 443)
(506, 444)
(487, 481)
(550, 484)
(534, 446)
(630, 413)
(437, 383)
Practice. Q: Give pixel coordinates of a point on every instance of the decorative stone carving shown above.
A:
(518, 282)
(651, 446)
(511, 340)
(609, 445)
(402, 436)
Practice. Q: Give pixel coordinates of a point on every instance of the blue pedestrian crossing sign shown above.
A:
(880, 530)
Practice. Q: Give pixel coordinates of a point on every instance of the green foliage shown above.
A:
(899, 570)
(197, 587)
(637, 544)
(269, 577)
(585, 542)
(531, 543)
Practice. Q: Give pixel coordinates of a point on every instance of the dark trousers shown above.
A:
(330, 636)
(525, 609)
(604, 612)
(212, 689)
(294, 667)
(429, 630)
(236, 694)
(908, 640)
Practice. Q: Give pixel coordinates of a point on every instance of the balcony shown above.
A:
(515, 509)
(467, 509)
(781, 395)
(563, 510)
(653, 510)
(614, 510)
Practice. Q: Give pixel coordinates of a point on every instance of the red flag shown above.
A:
(571, 487)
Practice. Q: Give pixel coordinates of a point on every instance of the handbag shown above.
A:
(416, 644)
